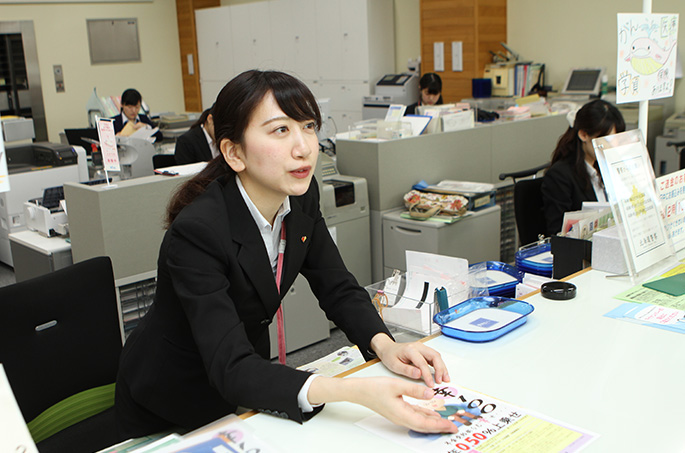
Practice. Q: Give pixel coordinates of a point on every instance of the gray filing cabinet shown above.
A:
(475, 238)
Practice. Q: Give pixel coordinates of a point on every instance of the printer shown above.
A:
(32, 168)
(47, 215)
(345, 206)
(390, 89)
(667, 158)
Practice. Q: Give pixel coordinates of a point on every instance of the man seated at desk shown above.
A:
(129, 120)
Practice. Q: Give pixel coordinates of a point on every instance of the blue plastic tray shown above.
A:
(503, 303)
(504, 289)
(525, 264)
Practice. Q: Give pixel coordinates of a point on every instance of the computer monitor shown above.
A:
(583, 81)
(77, 136)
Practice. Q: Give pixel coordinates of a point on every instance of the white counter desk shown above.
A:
(620, 380)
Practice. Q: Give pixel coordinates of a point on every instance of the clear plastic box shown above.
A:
(403, 314)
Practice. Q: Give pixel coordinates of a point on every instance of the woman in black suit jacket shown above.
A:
(203, 348)
(195, 145)
(131, 100)
(574, 175)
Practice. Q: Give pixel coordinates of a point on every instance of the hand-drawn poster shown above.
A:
(647, 52)
(485, 425)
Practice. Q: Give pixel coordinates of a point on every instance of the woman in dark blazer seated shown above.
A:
(197, 145)
(131, 101)
(430, 92)
(574, 175)
(203, 348)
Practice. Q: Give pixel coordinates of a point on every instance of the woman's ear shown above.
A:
(233, 155)
(583, 136)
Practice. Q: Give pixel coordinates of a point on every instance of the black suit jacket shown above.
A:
(562, 191)
(203, 348)
(192, 147)
(119, 124)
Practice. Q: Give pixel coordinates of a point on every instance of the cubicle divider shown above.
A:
(480, 154)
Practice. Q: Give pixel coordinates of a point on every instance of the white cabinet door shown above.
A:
(251, 37)
(293, 36)
(214, 47)
(329, 41)
(354, 54)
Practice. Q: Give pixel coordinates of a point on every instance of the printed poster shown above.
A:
(628, 175)
(108, 144)
(647, 52)
(671, 191)
(4, 172)
(485, 425)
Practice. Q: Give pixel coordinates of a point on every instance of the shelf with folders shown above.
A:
(504, 198)
(135, 299)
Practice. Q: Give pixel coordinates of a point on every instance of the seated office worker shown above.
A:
(574, 174)
(203, 348)
(197, 145)
(430, 92)
(131, 101)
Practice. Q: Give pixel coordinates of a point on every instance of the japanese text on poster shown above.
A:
(647, 51)
(108, 145)
(485, 425)
(630, 184)
(671, 190)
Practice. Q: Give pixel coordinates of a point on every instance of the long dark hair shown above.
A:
(596, 119)
(203, 118)
(232, 113)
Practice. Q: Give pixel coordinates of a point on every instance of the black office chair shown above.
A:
(60, 342)
(530, 218)
(163, 161)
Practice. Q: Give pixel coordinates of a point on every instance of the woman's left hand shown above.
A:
(410, 359)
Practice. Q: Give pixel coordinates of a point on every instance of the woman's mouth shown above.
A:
(301, 173)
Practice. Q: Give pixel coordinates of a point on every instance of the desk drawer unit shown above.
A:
(475, 238)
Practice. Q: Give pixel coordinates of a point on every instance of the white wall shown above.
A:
(565, 34)
(61, 38)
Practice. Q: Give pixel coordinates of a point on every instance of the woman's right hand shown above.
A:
(383, 395)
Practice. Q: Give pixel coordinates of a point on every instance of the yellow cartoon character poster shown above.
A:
(647, 52)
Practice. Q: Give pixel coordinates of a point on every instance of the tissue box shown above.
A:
(607, 254)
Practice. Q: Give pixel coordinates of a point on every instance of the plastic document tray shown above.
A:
(496, 273)
(483, 318)
(536, 260)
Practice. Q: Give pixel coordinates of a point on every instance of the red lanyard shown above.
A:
(279, 313)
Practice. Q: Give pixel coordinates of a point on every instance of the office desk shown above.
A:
(34, 255)
(620, 380)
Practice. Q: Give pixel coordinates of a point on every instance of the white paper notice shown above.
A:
(108, 144)
(438, 56)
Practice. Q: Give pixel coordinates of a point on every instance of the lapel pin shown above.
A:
(303, 238)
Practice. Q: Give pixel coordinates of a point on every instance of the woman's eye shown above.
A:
(311, 125)
(281, 130)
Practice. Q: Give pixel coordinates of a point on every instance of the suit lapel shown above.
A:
(299, 227)
(251, 252)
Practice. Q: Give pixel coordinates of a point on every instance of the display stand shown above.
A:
(629, 181)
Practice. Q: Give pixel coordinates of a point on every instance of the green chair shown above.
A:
(60, 341)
